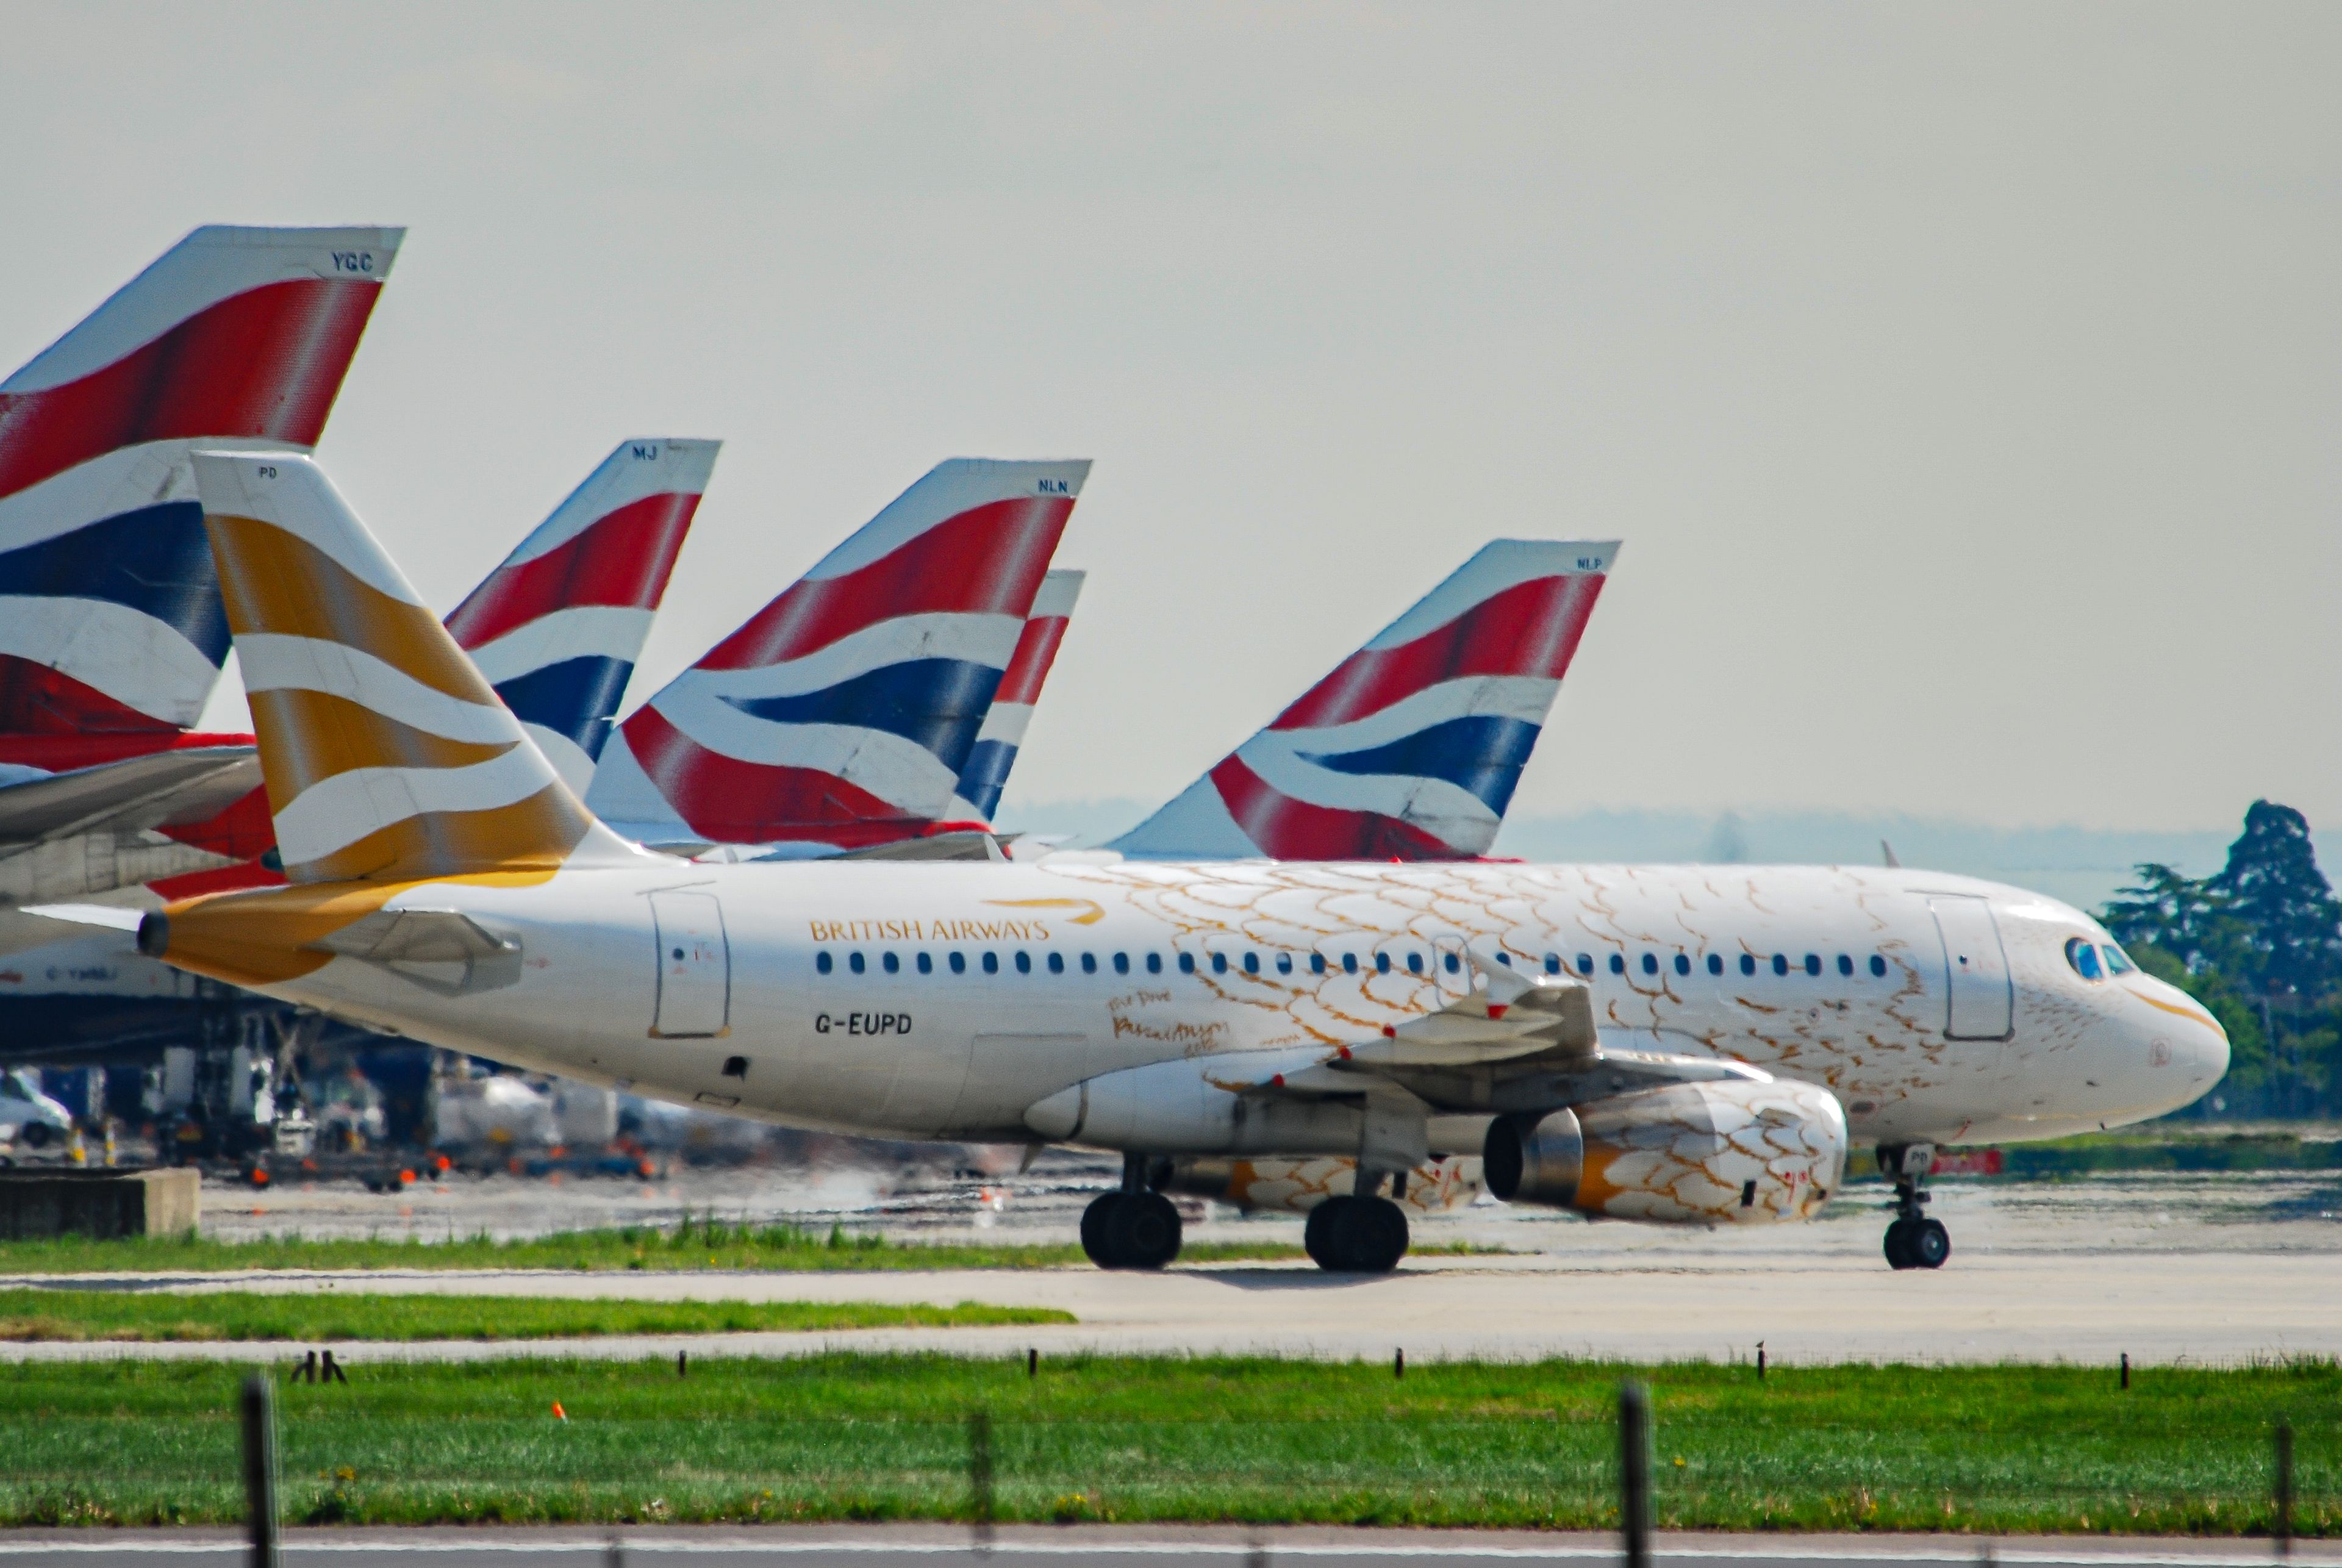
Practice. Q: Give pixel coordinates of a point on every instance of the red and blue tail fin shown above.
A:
(557, 629)
(110, 617)
(1003, 736)
(1411, 748)
(844, 712)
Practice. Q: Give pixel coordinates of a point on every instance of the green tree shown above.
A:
(2291, 923)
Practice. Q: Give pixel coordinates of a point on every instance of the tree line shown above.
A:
(2258, 942)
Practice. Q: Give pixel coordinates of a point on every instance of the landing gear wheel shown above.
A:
(1144, 1231)
(1098, 1229)
(1918, 1244)
(1354, 1235)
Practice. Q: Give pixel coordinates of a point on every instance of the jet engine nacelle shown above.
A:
(1706, 1153)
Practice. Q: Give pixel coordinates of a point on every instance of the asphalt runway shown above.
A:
(918, 1546)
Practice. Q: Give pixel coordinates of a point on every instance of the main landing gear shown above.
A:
(1913, 1240)
(1358, 1232)
(1134, 1227)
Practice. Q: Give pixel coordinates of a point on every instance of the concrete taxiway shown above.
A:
(2079, 1276)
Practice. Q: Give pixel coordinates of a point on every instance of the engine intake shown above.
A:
(1535, 1159)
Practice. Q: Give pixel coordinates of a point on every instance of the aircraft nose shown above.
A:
(2184, 1036)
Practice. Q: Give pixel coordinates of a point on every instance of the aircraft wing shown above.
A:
(127, 797)
(1514, 1042)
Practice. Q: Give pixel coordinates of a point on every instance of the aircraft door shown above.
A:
(695, 966)
(1982, 1003)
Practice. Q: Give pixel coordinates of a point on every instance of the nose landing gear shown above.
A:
(1913, 1240)
(1134, 1227)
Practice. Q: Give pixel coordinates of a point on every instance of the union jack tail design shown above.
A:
(557, 629)
(385, 753)
(845, 711)
(110, 616)
(1411, 748)
(1003, 735)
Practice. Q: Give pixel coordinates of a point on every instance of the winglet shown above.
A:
(386, 755)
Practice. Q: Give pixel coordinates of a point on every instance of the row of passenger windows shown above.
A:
(1780, 963)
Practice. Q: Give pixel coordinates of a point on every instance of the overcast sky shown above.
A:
(1965, 382)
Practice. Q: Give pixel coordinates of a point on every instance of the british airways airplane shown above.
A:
(1673, 1044)
(557, 626)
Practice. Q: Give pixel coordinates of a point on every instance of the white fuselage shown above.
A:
(942, 1000)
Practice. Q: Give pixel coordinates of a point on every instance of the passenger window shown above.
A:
(1715, 963)
(1780, 963)
(1650, 964)
(1089, 963)
(1285, 963)
(1122, 964)
(1683, 964)
(1877, 966)
(1585, 963)
(1349, 963)
(1056, 963)
(890, 963)
(1505, 959)
(1219, 963)
(1452, 963)
(1813, 964)
(1316, 964)
(1617, 963)
(1553, 964)
(1186, 964)
(1845, 965)
(958, 962)
(991, 964)
(1154, 963)
(1414, 963)
(1023, 962)
(2083, 956)
(821, 964)
(1747, 963)
(1252, 963)
(926, 964)
(2117, 961)
(854, 962)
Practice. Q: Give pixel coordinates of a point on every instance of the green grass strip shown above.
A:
(1987, 1450)
(695, 1246)
(58, 1314)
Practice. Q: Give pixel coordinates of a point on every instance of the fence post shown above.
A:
(979, 1475)
(2282, 1527)
(1634, 1473)
(260, 1468)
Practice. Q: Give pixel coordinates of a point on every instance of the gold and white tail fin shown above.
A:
(388, 757)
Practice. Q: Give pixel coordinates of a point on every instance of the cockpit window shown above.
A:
(2083, 956)
(2117, 961)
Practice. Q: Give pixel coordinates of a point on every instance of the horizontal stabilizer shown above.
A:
(445, 951)
(129, 796)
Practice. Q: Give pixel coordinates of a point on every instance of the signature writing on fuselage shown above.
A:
(930, 931)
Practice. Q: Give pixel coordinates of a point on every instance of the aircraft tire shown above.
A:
(1927, 1245)
(1098, 1229)
(1145, 1231)
(1356, 1235)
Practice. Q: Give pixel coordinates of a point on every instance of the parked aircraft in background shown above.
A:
(1663, 1044)
(843, 714)
(976, 798)
(111, 631)
(1410, 749)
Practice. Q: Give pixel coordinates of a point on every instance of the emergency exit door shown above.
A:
(1982, 1006)
(695, 966)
